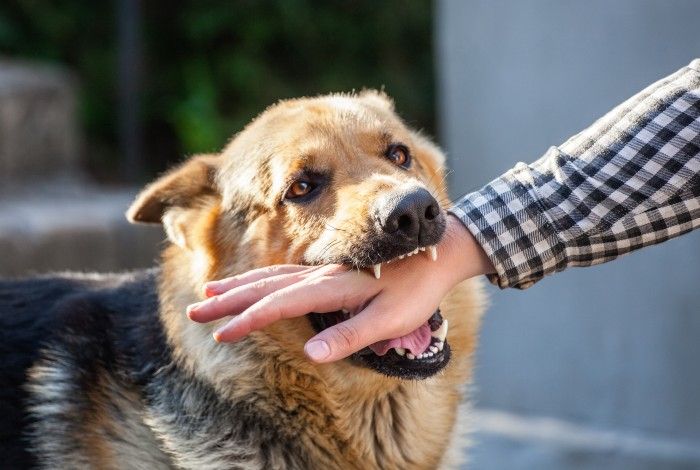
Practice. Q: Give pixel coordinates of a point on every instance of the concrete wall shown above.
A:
(51, 218)
(38, 124)
(611, 354)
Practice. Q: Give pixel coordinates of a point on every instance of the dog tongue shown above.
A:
(416, 341)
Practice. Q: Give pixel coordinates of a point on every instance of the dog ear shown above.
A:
(167, 199)
(377, 98)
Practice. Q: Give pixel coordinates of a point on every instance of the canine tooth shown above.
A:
(410, 356)
(433, 252)
(377, 270)
(400, 351)
(441, 333)
(345, 310)
(434, 349)
(440, 345)
(422, 248)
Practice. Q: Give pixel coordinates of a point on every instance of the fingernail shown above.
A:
(317, 350)
(211, 288)
(190, 309)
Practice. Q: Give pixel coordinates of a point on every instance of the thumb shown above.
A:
(345, 338)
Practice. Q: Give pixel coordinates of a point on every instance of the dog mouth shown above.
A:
(430, 251)
(418, 355)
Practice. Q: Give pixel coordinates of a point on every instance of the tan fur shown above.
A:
(224, 218)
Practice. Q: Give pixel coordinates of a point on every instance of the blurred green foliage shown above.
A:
(210, 66)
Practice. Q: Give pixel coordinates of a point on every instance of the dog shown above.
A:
(106, 371)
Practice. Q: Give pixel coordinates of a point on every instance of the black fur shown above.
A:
(110, 323)
(76, 311)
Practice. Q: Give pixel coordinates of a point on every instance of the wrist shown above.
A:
(464, 258)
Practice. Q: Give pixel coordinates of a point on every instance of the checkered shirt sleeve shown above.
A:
(630, 180)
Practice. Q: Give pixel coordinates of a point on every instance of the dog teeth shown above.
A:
(434, 349)
(400, 351)
(410, 356)
(440, 345)
(441, 333)
(413, 252)
(432, 250)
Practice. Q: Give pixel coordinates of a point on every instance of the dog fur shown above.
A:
(106, 371)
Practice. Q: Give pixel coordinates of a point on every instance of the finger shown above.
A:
(239, 298)
(328, 294)
(341, 340)
(222, 285)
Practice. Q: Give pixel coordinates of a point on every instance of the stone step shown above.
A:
(71, 227)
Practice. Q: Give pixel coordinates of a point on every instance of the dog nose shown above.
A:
(413, 215)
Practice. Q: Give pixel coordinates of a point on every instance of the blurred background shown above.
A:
(594, 368)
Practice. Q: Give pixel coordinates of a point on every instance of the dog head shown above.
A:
(332, 179)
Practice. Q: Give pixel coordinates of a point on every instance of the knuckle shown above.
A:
(213, 302)
(245, 324)
(260, 287)
(265, 312)
(347, 336)
(270, 270)
(266, 307)
(254, 318)
(279, 312)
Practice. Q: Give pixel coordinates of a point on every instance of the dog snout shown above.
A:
(414, 216)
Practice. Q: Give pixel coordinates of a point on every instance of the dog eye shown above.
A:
(399, 155)
(299, 189)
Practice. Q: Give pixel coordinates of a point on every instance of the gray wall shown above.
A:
(610, 352)
(51, 217)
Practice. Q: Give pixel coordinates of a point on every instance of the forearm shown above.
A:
(628, 181)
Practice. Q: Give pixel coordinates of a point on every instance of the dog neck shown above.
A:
(362, 416)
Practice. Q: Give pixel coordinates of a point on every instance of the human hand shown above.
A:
(400, 301)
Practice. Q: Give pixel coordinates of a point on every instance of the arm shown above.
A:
(630, 180)
(414, 287)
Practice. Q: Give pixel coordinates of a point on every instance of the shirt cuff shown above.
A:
(509, 224)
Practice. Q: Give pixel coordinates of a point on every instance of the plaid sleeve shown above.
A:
(630, 180)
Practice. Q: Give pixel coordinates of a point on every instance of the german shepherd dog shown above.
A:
(107, 371)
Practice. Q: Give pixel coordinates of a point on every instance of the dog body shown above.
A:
(107, 371)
